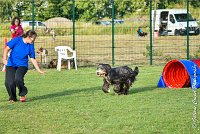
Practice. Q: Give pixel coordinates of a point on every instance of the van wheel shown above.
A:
(177, 32)
(197, 32)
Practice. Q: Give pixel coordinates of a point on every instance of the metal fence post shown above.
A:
(33, 21)
(113, 32)
(188, 45)
(151, 33)
(73, 20)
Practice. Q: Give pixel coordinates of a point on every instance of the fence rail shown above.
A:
(102, 43)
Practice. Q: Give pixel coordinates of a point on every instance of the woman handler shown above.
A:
(17, 64)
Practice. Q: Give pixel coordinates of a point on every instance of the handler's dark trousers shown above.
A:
(15, 77)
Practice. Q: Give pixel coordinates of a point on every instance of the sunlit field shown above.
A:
(72, 102)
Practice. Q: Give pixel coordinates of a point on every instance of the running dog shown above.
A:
(121, 78)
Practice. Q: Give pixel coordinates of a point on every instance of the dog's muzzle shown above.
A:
(100, 73)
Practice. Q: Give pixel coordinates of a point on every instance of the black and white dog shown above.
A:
(121, 78)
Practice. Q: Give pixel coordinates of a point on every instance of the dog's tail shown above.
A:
(136, 71)
(134, 74)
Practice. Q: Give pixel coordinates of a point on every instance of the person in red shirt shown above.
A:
(16, 28)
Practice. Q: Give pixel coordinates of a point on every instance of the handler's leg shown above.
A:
(10, 83)
(19, 80)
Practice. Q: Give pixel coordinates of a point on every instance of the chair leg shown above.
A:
(59, 65)
(75, 64)
(45, 59)
(68, 61)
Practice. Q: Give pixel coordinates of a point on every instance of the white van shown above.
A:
(174, 22)
(28, 24)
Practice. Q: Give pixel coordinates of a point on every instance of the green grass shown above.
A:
(71, 102)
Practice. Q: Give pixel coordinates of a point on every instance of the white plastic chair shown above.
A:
(63, 54)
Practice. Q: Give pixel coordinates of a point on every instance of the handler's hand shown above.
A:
(42, 72)
(5, 62)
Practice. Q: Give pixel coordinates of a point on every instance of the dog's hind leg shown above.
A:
(126, 88)
(121, 89)
(117, 88)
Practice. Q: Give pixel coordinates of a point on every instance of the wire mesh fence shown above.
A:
(99, 42)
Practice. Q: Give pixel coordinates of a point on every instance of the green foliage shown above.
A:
(195, 3)
(6, 10)
(4, 28)
(156, 52)
(87, 10)
(196, 54)
(169, 57)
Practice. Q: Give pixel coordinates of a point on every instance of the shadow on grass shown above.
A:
(67, 92)
(88, 91)
(141, 89)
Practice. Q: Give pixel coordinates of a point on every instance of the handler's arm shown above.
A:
(34, 61)
(12, 29)
(5, 54)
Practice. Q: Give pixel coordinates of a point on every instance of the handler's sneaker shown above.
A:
(22, 99)
(11, 101)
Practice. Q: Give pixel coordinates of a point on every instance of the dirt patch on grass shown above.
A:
(58, 22)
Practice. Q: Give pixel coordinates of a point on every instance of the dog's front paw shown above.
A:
(119, 93)
(106, 90)
(125, 93)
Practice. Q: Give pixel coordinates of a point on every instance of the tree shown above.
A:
(195, 3)
(87, 10)
(93, 10)
(6, 9)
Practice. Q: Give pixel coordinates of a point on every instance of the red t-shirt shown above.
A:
(18, 30)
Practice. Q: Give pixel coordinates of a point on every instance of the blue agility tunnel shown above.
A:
(180, 74)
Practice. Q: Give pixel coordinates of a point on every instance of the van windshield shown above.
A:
(183, 17)
(40, 24)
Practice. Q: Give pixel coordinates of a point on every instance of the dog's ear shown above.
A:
(107, 67)
(41, 49)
